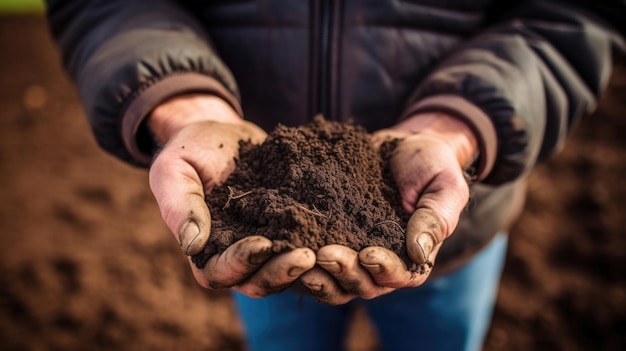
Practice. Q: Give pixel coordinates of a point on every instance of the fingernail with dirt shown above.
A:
(332, 267)
(426, 244)
(295, 272)
(187, 236)
(373, 268)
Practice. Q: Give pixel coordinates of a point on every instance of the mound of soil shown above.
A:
(310, 186)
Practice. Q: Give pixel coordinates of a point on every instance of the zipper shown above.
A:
(324, 60)
(322, 48)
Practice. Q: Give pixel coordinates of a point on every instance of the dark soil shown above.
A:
(309, 186)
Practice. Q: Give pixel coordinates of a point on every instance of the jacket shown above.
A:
(520, 73)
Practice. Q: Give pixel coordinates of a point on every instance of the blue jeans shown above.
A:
(451, 312)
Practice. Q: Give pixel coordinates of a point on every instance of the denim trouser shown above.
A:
(451, 312)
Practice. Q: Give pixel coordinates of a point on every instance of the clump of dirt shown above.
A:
(309, 186)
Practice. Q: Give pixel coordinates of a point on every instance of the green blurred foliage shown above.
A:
(21, 6)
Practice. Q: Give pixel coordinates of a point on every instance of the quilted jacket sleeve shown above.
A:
(128, 56)
(524, 81)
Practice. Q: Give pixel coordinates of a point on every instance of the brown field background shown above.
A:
(87, 264)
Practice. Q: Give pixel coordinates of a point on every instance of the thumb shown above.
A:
(178, 190)
(437, 215)
(423, 232)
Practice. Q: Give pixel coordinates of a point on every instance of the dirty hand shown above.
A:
(428, 166)
(201, 134)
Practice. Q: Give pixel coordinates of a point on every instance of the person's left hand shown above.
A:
(428, 166)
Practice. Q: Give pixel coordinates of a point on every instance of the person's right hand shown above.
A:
(201, 134)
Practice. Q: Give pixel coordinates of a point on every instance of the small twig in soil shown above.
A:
(392, 222)
(233, 196)
(315, 213)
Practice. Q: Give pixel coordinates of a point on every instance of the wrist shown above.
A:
(174, 114)
(451, 130)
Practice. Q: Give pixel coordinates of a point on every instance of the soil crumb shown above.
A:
(309, 186)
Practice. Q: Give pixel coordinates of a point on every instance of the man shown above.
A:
(481, 87)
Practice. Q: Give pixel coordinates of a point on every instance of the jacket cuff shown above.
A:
(475, 118)
(149, 98)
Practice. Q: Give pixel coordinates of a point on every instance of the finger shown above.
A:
(179, 193)
(437, 215)
(343, 264)
(236, 263)
(278, 273)
(324, 288)
(387, 269)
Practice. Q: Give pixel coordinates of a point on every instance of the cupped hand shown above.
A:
(201, 135)
(428, 167)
